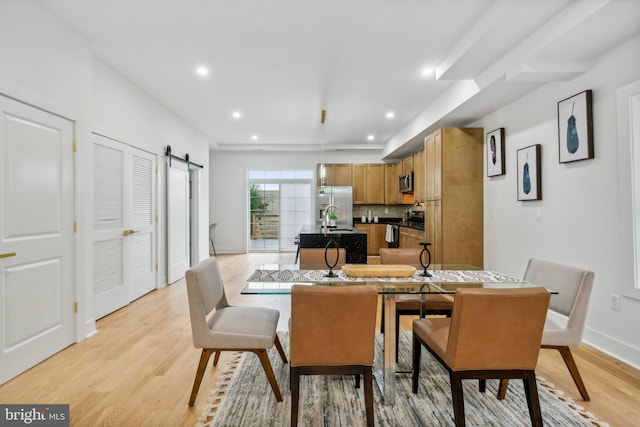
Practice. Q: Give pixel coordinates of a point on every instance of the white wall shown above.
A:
(228, 204)
(46, 63)
(585, 206)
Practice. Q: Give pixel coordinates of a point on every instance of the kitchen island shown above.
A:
(353, 240)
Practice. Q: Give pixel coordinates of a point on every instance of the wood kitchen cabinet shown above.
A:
(407, 165)
(419, 176)
(376, 234)
(391, 190)
(411, 237)
(368, 183)
(335, 174)
(454, 195)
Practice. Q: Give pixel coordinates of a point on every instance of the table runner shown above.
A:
(290, 275)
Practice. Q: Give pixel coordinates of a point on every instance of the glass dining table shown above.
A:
(445, 279)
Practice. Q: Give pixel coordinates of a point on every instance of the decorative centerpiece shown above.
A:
(425, 248)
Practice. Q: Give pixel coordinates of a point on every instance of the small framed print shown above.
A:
(495, 152)
(575, 128)
(529, 173)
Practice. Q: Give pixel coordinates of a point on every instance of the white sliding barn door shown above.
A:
(36, 224)
(124, 224)
(178, 235)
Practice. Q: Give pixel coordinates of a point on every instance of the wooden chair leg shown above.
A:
(573, 370)
(397, 334)
(280, 350)
(458, 398)
(382, 316)
(415, 364)
(202, 366)
(482, 385)
(294, 379)
(216, 358)
(368, 395)
(266, 365)
(357, 380)
(531, 392)
(502, 389)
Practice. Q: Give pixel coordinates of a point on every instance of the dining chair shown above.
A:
(492, 333)
(331, 332)
(572, 300)
(315, 256)
(217, 326)
(412, 305)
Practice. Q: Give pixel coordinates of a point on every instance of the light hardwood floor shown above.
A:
(139, 368)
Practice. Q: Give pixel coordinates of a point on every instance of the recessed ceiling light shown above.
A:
(236, 114)
(202, 71)
(427, 71)
(391, 115)
(254, 137)
(370, 137)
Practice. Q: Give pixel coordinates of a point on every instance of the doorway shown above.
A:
(280, 204)
(124, 225)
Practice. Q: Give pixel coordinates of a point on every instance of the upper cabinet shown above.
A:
(368, 183)
(391, 190)
(407, 165)
(419, 178)
(334, 174)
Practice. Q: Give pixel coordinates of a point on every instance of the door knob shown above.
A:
(129, 232)
(7, 255)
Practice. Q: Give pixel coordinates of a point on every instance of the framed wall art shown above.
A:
(529, 173)
(575, 128)
(495, 152)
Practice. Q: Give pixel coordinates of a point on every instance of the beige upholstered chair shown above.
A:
(574, 288)
(216, 326)
(315, 256)
(332, 332)
(412, 305)
(492, 333)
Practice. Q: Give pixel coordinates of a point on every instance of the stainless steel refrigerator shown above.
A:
(338, 196)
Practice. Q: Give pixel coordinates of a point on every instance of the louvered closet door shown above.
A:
(142, 210)
(124, 230)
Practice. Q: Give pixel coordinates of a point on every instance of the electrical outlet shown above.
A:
(386, 210)
(616, 302)
(538, 214)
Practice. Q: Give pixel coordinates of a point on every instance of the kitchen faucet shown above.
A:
(324, 220)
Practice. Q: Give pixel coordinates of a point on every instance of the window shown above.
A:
(280, 204)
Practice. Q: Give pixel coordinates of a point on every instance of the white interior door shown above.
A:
(178, 236)
(36, 224)
(142, 219)
(124, 259)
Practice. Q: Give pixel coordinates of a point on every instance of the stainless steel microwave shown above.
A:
(406, 183)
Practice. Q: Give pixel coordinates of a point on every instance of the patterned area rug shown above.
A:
(438, 276)
(245, 399)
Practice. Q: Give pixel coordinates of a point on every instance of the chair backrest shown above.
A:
(403, 256)
(205, 291)
(574, 289)
(315, 256)
(332, 326)
(496, 329)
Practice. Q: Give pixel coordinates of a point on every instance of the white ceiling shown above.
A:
(280, 62)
